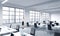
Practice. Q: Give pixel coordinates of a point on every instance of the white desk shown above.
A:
(56, 27)
(5, 30)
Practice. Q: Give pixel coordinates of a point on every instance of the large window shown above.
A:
(45, 16)
(39, 16)
(19, 15)
(12, 15)
(6, 14)
(34, 16)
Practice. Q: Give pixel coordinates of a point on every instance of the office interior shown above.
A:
(29, 17)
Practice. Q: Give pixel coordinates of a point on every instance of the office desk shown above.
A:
(56, 30)
(6, 30)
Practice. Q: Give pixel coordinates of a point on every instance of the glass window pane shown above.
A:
(11, 9)
(5, 8)
(21, 17)
(17, 20)
(5, 12)
(11, 21)
(17, 17)
(5, 17)
(17, 13)
(21, 10)
(6, 21)
(11, 13)
(17, 9)
(21, 13)
(11, 17)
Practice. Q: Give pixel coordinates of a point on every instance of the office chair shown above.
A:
(10, 25)
(22, 23)
(49, 27)
(57, 24)
(12, 34)
(35, 25)
(32, 31)
(27, 24)
(53, 25)
(17, 28)
(38, 23)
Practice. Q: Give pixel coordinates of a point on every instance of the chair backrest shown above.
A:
(53, 25)
(57, 24)
(32, 31)
(38, 23)
(27, 23)
(17, 27)
(35, 25)
(22, 22)
(12, 34)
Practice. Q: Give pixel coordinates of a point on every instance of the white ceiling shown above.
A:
(27, 2)
(44, 5)
(1, 1)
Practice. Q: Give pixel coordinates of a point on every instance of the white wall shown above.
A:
(55, 17)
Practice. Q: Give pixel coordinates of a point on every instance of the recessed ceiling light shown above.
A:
(4, 1)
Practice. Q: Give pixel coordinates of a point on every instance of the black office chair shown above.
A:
(10, 25)
(17, 28)
(57, 24)
(35, 25)
(23, 23)
(38, 23)
(28, 24)
(32, 31)
(49, 27)
(12, 34)
(53, 25)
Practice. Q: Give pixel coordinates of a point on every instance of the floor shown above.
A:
(40, 31)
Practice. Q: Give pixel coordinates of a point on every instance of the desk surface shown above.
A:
(5, 30)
